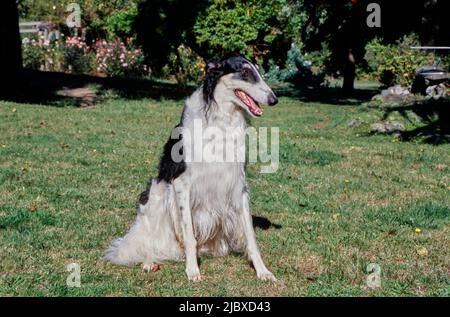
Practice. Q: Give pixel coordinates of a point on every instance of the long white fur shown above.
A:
(205, 209)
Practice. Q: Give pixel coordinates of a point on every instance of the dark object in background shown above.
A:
(10, 49)
(428, 76)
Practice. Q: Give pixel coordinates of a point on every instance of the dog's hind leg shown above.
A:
(252, 248)
(151, 239)
(182, 193)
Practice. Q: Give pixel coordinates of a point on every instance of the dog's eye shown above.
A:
(245, 73)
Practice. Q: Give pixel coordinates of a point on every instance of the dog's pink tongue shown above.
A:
(251, 104)
(254, 108)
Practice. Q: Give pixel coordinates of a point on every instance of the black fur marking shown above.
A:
(168, 168)
(143, 197)
(221, 67)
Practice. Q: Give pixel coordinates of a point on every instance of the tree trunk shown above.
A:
(10, 48)
(349, 72)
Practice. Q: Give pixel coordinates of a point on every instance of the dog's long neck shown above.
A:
(220, 114)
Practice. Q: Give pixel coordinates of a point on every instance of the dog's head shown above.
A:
(237, 81)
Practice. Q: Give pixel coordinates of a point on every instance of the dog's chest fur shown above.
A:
(216, 187)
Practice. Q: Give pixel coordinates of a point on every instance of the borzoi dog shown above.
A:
(197, 206)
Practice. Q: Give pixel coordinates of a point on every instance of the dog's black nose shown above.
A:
(272, 100)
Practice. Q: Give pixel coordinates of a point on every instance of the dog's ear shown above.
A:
(214, 65)
(214, 70)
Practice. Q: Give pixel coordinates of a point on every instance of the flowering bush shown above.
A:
(78, 56)
(75, 56)
(117, 59)
(42, 54)
(32, 53)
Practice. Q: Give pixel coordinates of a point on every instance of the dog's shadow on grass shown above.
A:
(264, 223)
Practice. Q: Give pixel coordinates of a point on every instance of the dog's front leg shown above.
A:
(252, 248)
(181, 186)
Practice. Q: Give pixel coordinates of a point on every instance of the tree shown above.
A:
(163, 25)
(435, 27)
(10, 50)
(250, 27)
(338, 25)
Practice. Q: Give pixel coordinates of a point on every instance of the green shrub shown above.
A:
(245, 26)
(99, 18)
(121, 23)
(444, 60)
(32, 54)
(43, 54)
(298, 70)
(396, 63)
(185, 65)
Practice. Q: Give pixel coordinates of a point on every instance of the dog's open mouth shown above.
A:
(251, 104)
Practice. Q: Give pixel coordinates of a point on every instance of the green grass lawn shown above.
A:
(70, 178)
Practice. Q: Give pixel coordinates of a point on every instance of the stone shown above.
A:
(437, 91)
(387, 127)
(354, 123)
(395, 94)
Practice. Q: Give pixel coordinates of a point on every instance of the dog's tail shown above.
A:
(115, 253)
(132, 248)
(135, 246)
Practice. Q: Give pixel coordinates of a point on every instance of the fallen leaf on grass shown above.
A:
(311, 279)
(26, 170)
(419, 289)
(335, 217)
(422, 251)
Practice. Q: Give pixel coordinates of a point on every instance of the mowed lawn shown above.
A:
(342, 199)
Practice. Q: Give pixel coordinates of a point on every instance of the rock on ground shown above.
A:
(387, 127)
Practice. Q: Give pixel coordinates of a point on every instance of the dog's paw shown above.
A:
(195, 278)
(266, 276)
(147, 268)
(194, 275)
